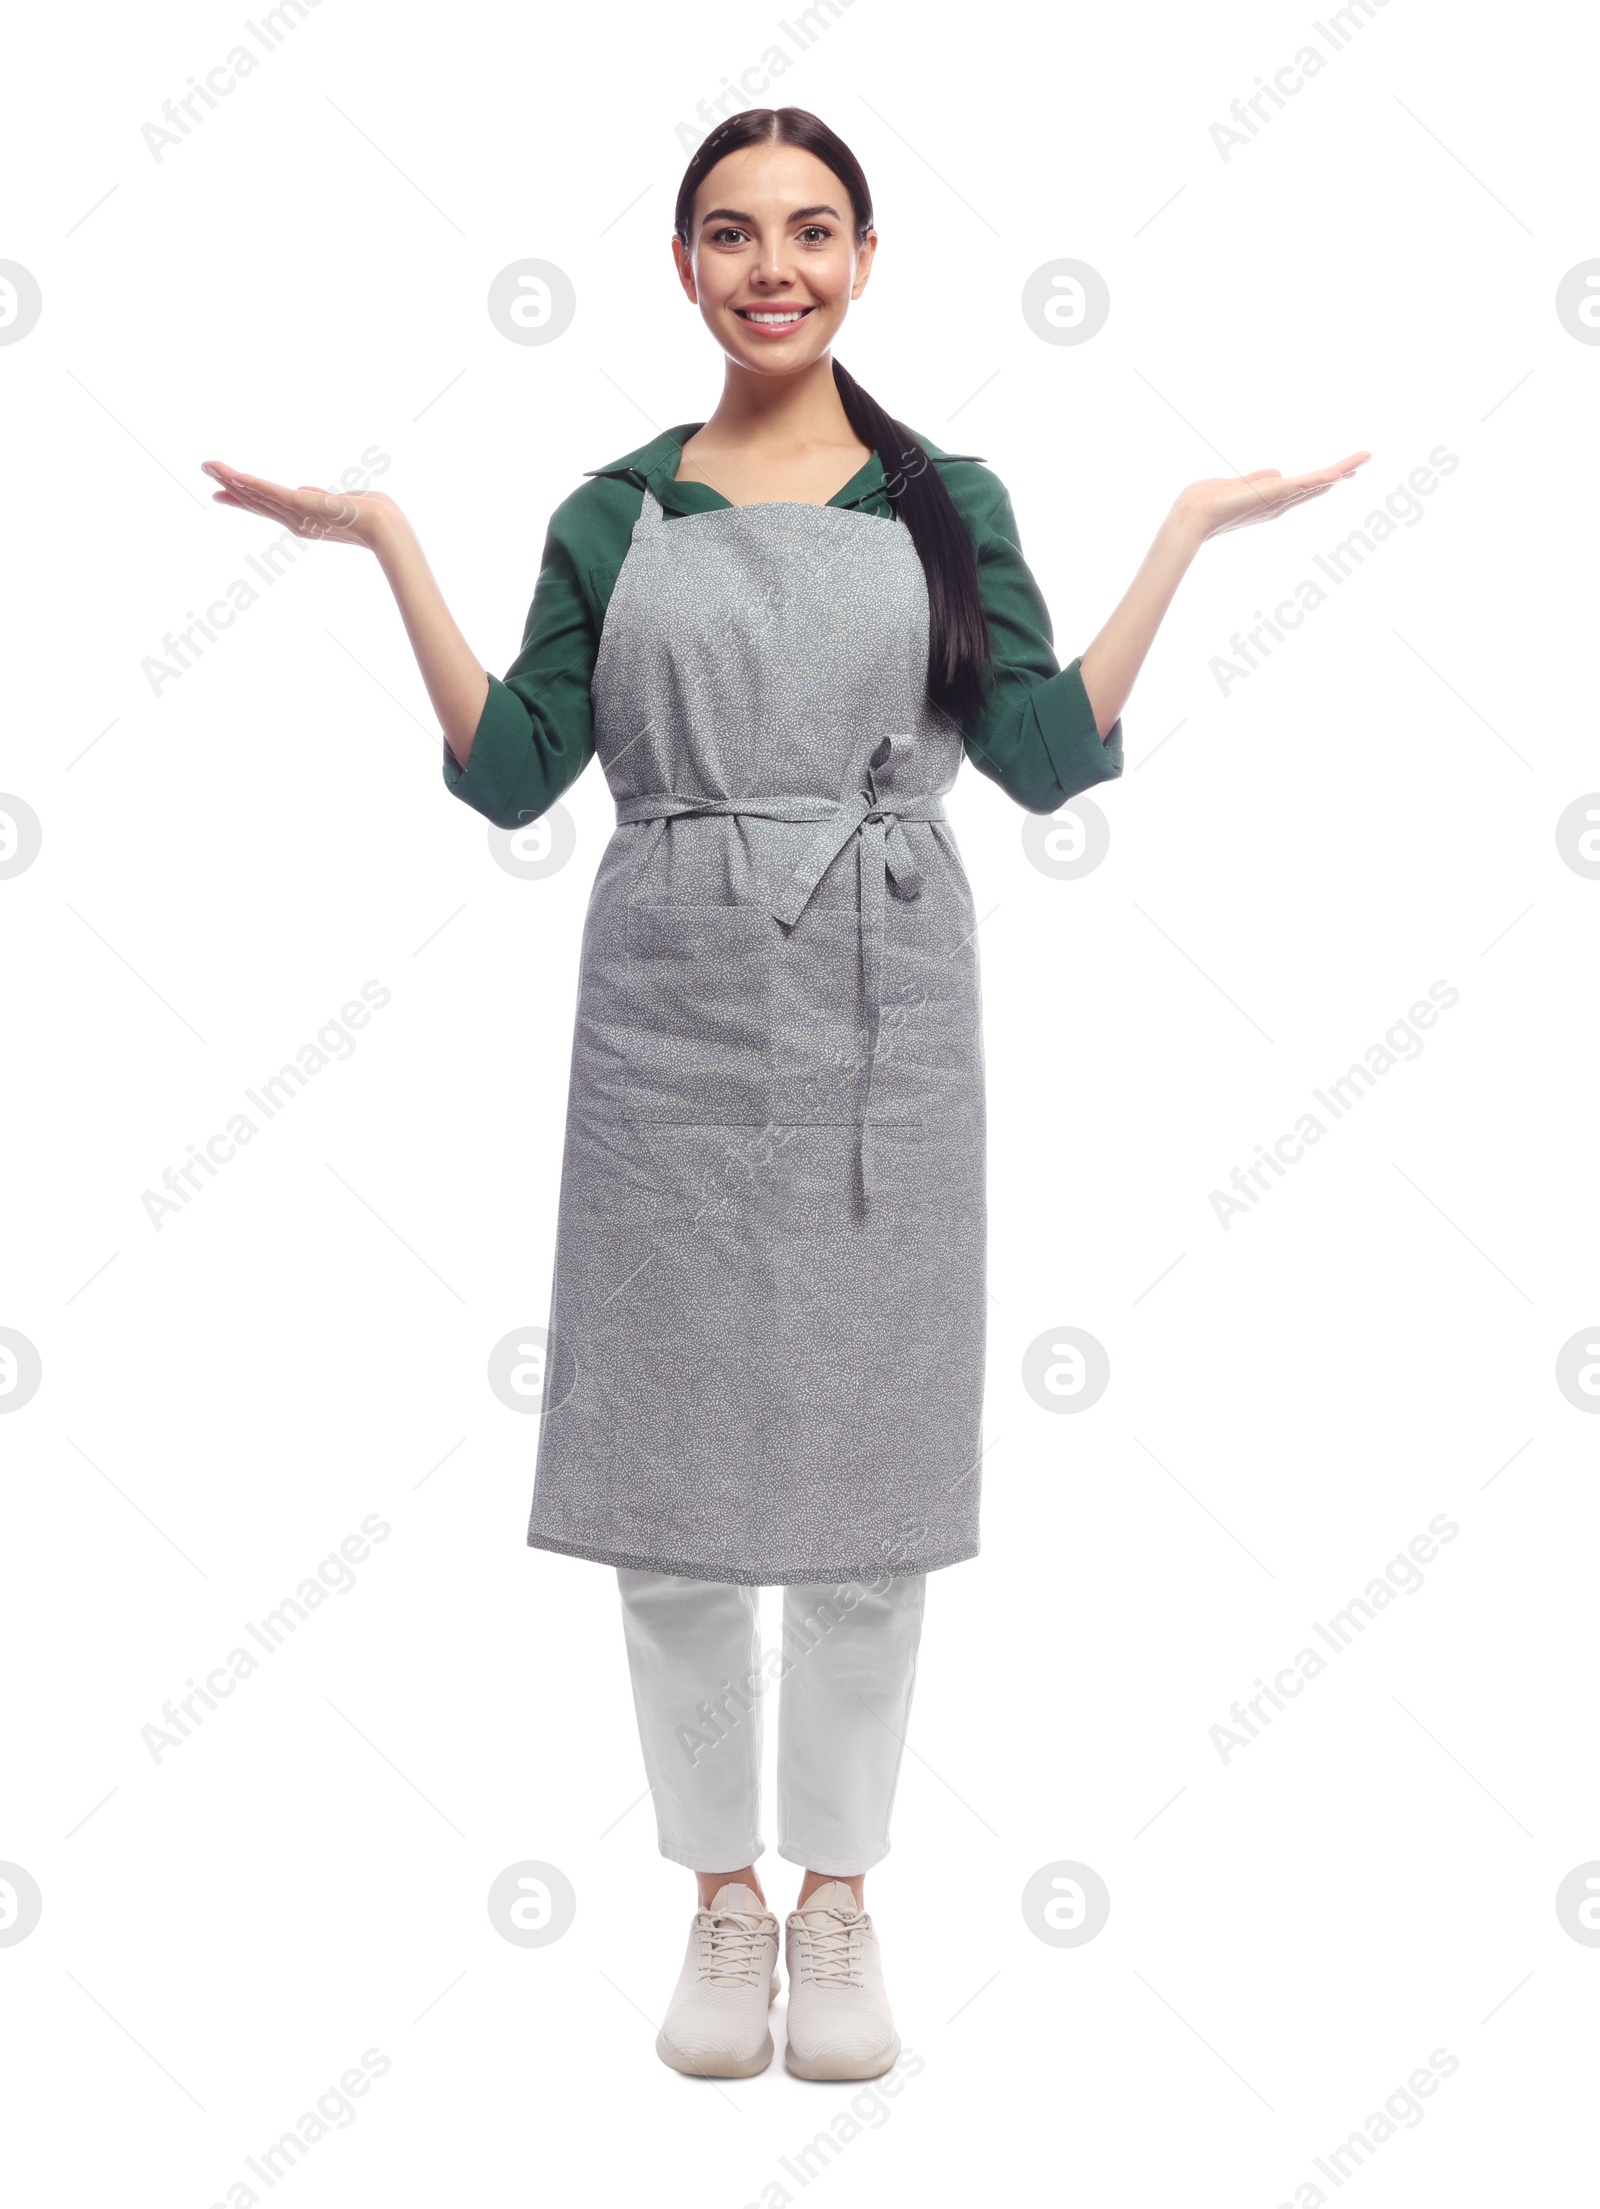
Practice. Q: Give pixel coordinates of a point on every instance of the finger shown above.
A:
(281, 510)
(1264, 498)
(263, 502)
(294, 507)
(1322, 479)
(256, 486)
(228, 478)
(1298, 498)
(1340, 468)
(1270, 509)
(248, 503)
(254, 500)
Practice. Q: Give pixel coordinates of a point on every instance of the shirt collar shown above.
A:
(655, 465)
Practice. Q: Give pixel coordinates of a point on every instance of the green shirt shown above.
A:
(1036, 736)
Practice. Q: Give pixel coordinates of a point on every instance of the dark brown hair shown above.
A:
(958, 628)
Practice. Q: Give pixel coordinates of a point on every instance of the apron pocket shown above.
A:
(821, 1028)
(700, 991)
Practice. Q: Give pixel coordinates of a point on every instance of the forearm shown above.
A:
(456, 683)
(1112, 662)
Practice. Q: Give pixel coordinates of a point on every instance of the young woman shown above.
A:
(781, 630)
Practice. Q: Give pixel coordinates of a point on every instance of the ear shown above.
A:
(865, 252)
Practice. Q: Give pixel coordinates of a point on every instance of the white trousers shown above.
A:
(844, 1671)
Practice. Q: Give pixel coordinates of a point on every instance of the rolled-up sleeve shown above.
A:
(1036, 736)
(535, 735)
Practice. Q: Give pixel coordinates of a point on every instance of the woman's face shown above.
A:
(772, 261)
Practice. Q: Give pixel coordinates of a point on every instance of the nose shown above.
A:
(772, 265)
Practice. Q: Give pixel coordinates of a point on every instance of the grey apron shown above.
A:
(768, 1310)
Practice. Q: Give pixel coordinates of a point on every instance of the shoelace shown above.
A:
(734, 1950)
(830, 1953)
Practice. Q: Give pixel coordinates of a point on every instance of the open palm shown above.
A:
(341, 517)
(1233, 502)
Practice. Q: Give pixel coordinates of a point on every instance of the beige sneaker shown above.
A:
(716, 2023)
(839, 2021)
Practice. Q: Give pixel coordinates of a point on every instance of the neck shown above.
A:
(778, 411)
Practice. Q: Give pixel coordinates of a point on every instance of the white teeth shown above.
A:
(793, 316)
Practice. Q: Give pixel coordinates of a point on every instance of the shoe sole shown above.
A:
(725, 2067)
(731, 2067)
(843, 2067)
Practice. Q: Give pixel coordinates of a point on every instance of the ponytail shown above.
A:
(958, 627)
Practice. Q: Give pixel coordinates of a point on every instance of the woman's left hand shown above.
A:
(1232, 502)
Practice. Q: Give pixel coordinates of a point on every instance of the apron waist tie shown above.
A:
(882, 850)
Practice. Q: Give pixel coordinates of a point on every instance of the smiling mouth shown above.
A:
(774, 318)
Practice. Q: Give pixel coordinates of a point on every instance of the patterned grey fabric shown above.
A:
(768, 1313)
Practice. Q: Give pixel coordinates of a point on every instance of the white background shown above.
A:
(1292, 1932)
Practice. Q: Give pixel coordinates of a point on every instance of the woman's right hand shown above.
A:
(341, 517)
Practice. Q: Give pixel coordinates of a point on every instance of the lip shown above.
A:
(803, 314)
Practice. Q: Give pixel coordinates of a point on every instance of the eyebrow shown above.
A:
(732, 214)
